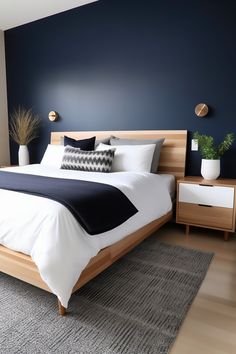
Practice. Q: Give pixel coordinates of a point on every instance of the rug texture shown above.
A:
(136, 306)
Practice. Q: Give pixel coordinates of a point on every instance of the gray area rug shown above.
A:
(136, 307)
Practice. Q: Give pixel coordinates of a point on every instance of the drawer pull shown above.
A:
(205, 205)
(205, 185)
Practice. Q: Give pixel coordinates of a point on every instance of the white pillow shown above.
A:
(53, 156)
(131, 158)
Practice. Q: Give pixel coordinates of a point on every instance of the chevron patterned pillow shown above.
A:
(93, 161)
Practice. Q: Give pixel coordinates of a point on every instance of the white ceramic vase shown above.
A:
(23, 155)
(210, 169)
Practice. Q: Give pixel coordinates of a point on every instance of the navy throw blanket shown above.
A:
(98, 207)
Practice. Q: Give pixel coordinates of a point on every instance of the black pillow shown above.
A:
(84, 144)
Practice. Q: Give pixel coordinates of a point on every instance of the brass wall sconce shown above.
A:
(53, 116)
(201, 110)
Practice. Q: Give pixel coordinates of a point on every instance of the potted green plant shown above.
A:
(211, 153)
(24, 127)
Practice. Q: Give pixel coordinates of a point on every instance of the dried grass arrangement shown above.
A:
(24, 126)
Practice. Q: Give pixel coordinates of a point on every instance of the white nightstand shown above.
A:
(205, 203)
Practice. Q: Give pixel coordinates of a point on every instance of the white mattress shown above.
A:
(48, 232)
(169, 180)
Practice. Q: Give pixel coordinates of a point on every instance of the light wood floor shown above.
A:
(210, 326)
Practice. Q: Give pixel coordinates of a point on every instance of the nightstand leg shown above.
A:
(226, 235)
(187, 230)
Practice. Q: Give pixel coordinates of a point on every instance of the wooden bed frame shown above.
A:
(172, 161)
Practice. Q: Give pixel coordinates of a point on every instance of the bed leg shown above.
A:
(62, 310)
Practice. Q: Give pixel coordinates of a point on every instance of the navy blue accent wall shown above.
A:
(128, 64)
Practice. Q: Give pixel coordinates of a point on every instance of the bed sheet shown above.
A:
(169, 180)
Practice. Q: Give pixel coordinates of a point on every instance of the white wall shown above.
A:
(4, 134)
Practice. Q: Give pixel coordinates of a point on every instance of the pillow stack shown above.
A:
(111, 155)
(157, 142)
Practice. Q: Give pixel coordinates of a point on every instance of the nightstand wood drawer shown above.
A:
(218, 196)
(200, 215)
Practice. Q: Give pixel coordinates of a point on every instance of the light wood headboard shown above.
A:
(173, 152)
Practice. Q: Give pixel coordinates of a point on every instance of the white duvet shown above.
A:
(48, 232)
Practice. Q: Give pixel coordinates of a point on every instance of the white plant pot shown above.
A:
(210, 169)
(23, 155)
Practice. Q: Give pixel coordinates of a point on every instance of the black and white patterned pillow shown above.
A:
(93, 161)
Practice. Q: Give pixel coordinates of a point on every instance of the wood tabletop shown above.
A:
(215, 182)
